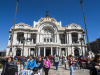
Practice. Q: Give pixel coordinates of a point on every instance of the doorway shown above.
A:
(76, 52)
(18, 53)
(48, 51)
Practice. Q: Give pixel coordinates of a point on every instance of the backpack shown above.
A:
(56, 59)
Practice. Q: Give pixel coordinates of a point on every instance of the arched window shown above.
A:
(74, 38)
(48, 34)
(21, 26)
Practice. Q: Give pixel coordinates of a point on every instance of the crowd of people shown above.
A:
(42, 64)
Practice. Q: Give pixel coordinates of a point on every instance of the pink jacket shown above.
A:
(46, 63)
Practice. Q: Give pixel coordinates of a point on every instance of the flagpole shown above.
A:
(13, 27)
(85, 26)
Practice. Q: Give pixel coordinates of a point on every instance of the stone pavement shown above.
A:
(61, 71)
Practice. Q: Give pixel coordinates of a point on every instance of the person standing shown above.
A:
(46, 65)
(50, 58)
(94, 65)
(53, 60)
(81, 63)
(9, 66)
(31, 64)
(65, 61)
(76, 62)
(56, 61)
(71, 65)
(39, 65)
(62, 59)
(21, 59)
(88, 60)
(35, 71)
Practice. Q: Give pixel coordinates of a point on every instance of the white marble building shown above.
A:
(47, 36)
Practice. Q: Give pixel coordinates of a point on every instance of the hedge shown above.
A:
(15, 60)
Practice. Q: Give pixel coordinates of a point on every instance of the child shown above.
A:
(35, 71)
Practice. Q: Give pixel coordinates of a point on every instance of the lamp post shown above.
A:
(14, 26)
(81, 2)
(81, 39)
(23, 39)
(71, 48)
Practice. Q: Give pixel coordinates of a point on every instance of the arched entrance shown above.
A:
(76, 52)
(18, 52)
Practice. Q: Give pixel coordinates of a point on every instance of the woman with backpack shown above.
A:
(56, 61)
(47, 65)
(9, 66)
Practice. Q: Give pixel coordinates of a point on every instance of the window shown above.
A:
(47, 40)
(50, 40)
(44, 39)
(21, 26)
(73, 26)
(34, 41)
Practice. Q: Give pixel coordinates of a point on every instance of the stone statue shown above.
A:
(63, 53)
(32, 52)
(91, 54)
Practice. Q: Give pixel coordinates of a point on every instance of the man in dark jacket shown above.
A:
(39, 64)
(21, 62)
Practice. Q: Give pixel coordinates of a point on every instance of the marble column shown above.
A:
(70, 38)
(67, 38)
(38, 51)
(37, 38)
(51, 51)
(59, 51)
(14, 39)
(28, 38)
(55, 38)
(28, 35)
(79, 36)
(25, 35)
(32, 41)
(58, 39)
(69, 50)
(29, 51)
(66, 51)
(44, 52)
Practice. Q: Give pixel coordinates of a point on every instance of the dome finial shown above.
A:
(47, 15)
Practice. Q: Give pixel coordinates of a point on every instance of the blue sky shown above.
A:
(66, 11)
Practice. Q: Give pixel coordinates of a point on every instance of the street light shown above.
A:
(81, 39)
(23, 40)
(81, 2)
(71, 48)
(14, 26)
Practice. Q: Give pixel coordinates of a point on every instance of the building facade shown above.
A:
(95, 46)
(47, 36)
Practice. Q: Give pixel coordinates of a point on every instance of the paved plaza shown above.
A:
(61, 71)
